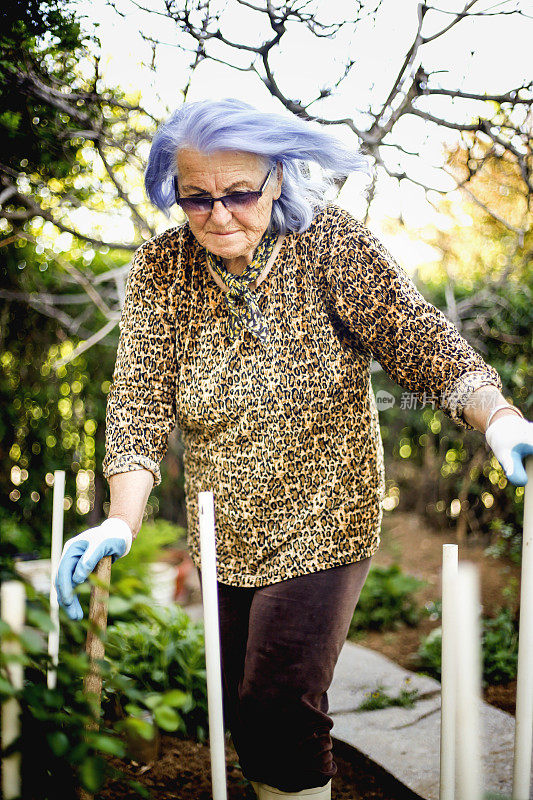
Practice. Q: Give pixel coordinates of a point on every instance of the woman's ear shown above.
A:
(279, 176)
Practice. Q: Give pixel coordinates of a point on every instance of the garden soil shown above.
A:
(183, 771)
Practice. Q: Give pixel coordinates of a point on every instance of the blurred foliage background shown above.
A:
(72, 159)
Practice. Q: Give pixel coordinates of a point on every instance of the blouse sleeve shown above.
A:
(416, 344)
(141, 405)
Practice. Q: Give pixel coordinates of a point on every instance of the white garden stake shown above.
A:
(524, 685)
(468, 684)
(13, 602)
(447, 719)
(206, 510)
(56, 548)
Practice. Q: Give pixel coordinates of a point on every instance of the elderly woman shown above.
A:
(252, 327)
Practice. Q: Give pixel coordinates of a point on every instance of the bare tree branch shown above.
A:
(458, 17)
(83, 346)
(145, 227)
(33, 209)
(43, 307)
(512, 96)
(79, 277)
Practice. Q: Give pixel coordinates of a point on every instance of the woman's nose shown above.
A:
(219, 212)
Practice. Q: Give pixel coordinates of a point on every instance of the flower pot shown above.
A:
(163, 582)
(142, 750)
(184, 565)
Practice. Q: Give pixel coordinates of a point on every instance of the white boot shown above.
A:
(266, 792)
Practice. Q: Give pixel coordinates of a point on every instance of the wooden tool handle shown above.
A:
(95, 646)
(92, 684)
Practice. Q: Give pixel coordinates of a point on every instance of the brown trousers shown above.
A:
(279, 647)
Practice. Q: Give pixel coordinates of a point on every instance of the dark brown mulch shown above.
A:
(183, 771)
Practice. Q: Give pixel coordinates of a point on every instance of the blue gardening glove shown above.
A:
(82, 553)
(511, 439)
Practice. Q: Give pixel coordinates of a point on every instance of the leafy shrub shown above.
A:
(508, 541)
(158, 662)
(500, 647)
(58, 752)
(386, 600)
(499, 641)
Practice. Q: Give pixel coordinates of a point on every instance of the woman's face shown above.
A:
(230, 235)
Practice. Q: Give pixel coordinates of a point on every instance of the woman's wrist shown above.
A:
(502, 412)
(479, 408)
(129, 494)
(123, 518)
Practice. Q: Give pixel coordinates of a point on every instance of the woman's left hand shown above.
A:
(511, 439)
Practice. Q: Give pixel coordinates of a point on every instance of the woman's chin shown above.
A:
(225, 246)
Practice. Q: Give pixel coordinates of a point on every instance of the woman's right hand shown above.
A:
(82, 553)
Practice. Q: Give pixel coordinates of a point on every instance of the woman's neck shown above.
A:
(237, 265)
(260, 278)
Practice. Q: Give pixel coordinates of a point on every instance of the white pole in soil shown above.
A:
(55, 557)
(468, 684)
(13, 603)
(447, 716)
(524, 684)
(212, 643)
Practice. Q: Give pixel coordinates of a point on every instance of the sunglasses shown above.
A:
(236, 201)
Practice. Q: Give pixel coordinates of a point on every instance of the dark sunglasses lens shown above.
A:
(240, 200)
(198, 204)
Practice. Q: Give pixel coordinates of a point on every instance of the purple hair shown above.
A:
(230, 124)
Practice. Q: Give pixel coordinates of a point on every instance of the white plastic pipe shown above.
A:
(55, 557)
(206, 509)
(13, 610)
(524, 685)
(468, 684)
(449, 630)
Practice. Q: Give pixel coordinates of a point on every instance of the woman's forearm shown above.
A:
(129, 494)
(479, 405)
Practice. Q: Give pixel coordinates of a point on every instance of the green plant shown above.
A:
(499, 642)
(500, 647)
(146, 548)
(428, 657)
(386, 600)
(58, 752)
(496, 796)
(163, 706)
(380, 699)
(158, 662)
(508, 541)
(433, 609)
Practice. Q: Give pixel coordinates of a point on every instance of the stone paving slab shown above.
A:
(406, 742)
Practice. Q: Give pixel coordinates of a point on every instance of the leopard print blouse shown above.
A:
(287, 436)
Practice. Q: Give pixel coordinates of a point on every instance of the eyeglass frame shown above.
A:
(258, 193)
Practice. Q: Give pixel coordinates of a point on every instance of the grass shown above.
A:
(380, 699)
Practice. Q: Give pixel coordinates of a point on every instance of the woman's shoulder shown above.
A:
(334, 217)
(331, 224)
(165, 245)
(164, 256)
